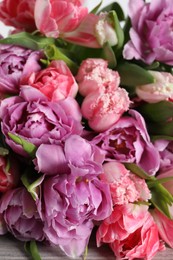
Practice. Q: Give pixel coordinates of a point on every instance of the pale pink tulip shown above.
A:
(93, 74)
(104, 107)
(94, 31)
(161, 89)
(55, 17)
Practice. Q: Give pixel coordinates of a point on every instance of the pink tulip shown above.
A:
(144, 243)
(94, 74)
(161, 89)
(169, 184)
(9, 173)
(104, 107)
(124, 220)
(55, 17)
(56, 82)
(165, 226)
(18, 13)
(131, 232)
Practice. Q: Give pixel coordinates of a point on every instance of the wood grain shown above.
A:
(12, 249)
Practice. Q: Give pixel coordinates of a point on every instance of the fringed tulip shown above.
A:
(94, 74)
(103, 108)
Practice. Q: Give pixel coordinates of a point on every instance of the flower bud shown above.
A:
(105, 31)
(161, 89)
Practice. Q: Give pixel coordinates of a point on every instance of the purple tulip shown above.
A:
(16, 65)
(68, 207)
(165, 149)
(3, 227)
(32, 117)
(128, 141)
(151, 33)
(74, 196)
(20, 214)
(77, 155)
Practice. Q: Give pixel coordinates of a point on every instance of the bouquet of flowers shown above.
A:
(86, 126)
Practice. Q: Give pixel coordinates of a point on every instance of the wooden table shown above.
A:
(11, 249)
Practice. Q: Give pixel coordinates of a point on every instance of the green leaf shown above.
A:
(139, 202)
(8, 165)
(85, 253)
(27, 247)
(157, 112)
(153, 66)
(54, 53)
(3, 151)
(126, 30)
(86, 52)
(32, 187)
(163, 129)
(117, 8)
(94, 11)
(119, 31)
(27, 146)
(161, 137)
(161, 199)
(32, 249)
(138, 171)
(108, 54)
(133, 75)
(159, 181)
(28, 40)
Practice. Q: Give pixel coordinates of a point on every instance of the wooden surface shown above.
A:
(11, 249)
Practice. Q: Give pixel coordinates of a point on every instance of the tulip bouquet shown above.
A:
(86, 126)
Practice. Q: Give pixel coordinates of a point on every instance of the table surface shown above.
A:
(11, 249)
